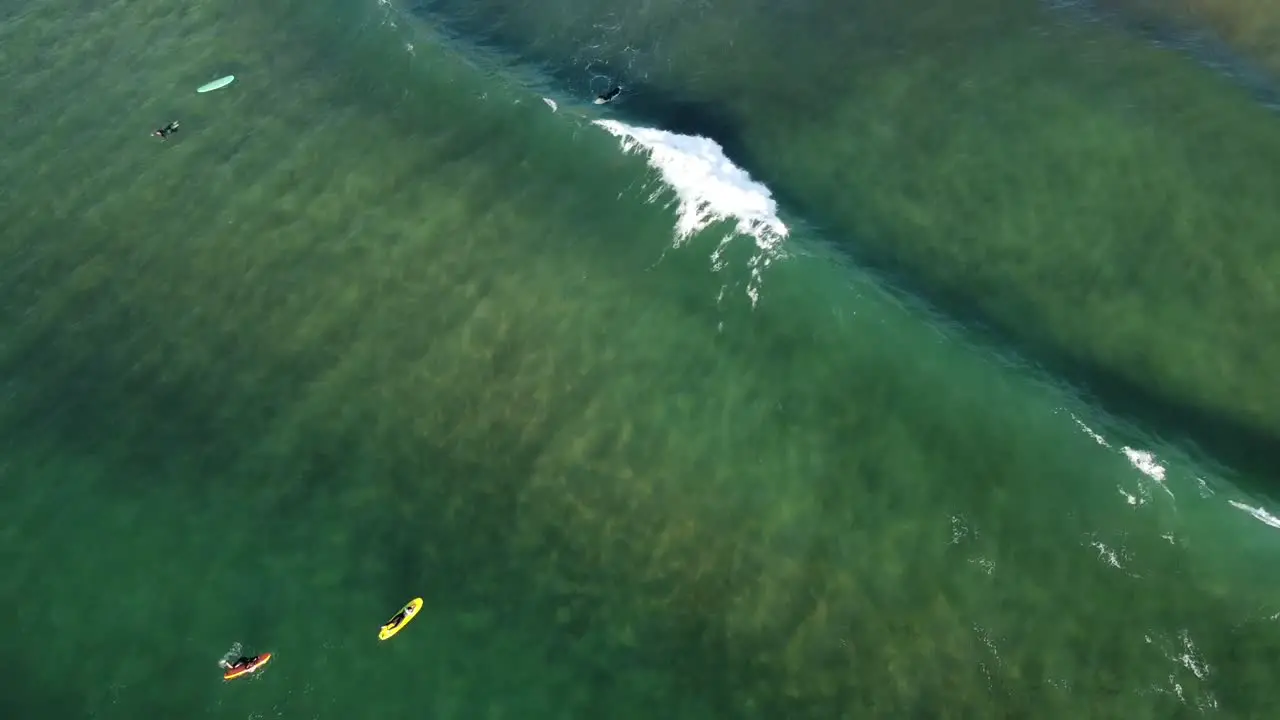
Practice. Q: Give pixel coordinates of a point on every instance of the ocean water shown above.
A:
(1091, 191)
(401, 314)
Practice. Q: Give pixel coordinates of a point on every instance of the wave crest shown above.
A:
(709, 189)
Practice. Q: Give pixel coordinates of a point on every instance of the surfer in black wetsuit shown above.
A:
(400, 617)
(164, 132)
(609, 95)
(240, 662)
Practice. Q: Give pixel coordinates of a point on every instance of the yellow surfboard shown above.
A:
(400, 619)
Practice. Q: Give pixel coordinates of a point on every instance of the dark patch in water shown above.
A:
(640, 101)
(1198, 44)
(650, 105)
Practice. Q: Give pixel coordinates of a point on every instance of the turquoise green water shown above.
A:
(1105, 204)
(377, 323)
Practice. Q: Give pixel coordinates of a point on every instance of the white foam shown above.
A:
(709, 189)
(1090, 432)
(1106, 554)
(231, 654)
(551, 104)
(1183, 652)
(1143, 461)
(1146, 463)
(1257, 513)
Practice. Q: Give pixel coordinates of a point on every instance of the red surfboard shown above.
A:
(238, 670)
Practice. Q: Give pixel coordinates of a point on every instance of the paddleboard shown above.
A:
(216, 84)
(235, 672)
(400, 619)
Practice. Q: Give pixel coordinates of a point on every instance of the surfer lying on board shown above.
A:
(401, 616)
(243, 666)
(241, 662)
(167, 130)
(609, 95)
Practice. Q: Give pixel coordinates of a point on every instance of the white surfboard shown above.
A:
(216, 84)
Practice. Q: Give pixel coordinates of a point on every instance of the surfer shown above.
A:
(242, 666)
(164, 132)
(609, 95)
(402, 616)
(400, 619)
(241, 662)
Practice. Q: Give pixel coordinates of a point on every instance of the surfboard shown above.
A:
(216, 84)
(234, 672)
(400, 619)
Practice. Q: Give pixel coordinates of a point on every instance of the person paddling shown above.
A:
(164, 132)
(240, 663)
(243, 665)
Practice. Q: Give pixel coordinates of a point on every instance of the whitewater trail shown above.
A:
(1156, 473)
(709, 189)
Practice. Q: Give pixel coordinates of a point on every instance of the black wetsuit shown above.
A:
(167, 130)
(609, 94)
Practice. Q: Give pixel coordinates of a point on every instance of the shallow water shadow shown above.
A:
(651, 105)
(1199, 45)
